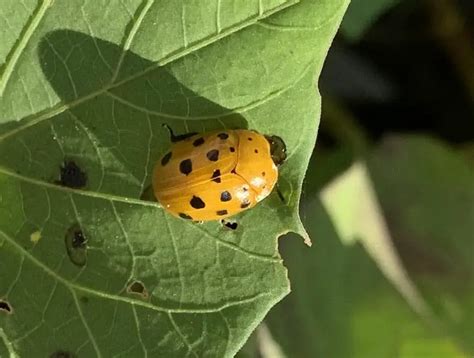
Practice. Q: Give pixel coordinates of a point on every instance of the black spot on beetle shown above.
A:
(263, 174)
(137, 288)
(245, 204)
(229, 224)
(76, 245)
(225, 196)
(62, 354)
(5, 307)
(197, 203)
(250, 138)
(216, 176)
(166, 158)
(223, 136)
(198, 142)
(233, 171)
(185, 216)
(71, 175)
(213, 155)
(256, 151)
(221, 212)
(232, 149)
(186, 166)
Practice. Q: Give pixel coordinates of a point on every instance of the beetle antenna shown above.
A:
(177, 138)
(171, 133)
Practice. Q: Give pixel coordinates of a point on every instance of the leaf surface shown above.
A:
(94, 270)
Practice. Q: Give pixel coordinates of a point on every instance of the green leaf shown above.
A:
(95, 271)
(355, 211)
(426, 191)
(362, 14)
(429, 206)
(342, 303)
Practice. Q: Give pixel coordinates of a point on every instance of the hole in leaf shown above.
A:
(5, 307)
(62, 354)
(138, 288)
(232, 225)
(71, 175)
(76, 245)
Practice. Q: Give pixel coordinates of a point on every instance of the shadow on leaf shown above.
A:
(110, 119)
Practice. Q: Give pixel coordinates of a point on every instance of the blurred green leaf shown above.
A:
(427, 193)
(342, 304)
(91, 83)
(362, 14)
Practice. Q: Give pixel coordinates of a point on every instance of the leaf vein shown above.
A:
(104, 295)
(8, 344)
(131, 35)
(86, 326)
(22, 43)
(34, 119)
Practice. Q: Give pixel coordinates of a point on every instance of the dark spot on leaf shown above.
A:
(233, 171)
(71, 175)
(223, 135)
(166, 158)
(5, 307)
(84, 299)
(232, 149)
(198, 142)
(197, 203)
(186, 166)
(229, 224)
(62, 354)
(216, 176)
(225, 196)
(76, 245)
(137, 288)
(213, 155)
(221, 212)
(184, 216)
(256, 151)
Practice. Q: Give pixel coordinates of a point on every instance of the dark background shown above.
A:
(411, 70)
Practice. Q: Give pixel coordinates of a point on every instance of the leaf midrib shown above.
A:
(143, 203)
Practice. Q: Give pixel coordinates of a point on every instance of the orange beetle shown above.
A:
(217, 174)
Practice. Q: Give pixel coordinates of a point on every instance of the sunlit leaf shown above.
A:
(84, 89)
